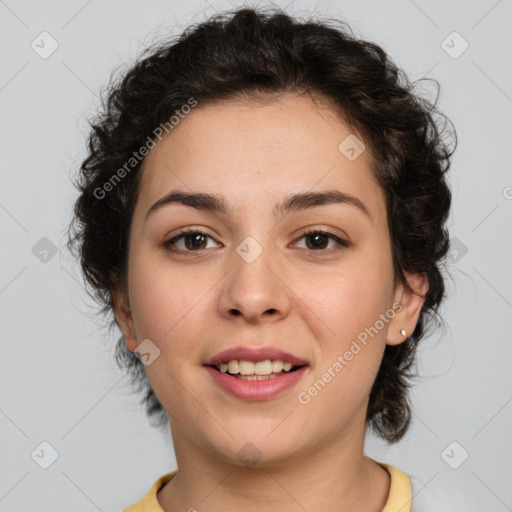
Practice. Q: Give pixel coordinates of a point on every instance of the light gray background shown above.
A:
(59, 382)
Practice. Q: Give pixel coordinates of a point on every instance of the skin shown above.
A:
(196, 304)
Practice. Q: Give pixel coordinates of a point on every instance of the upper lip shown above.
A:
(254, 355)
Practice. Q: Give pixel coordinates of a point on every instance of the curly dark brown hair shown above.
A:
(255, 54)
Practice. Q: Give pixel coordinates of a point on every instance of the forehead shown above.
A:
(252, 152)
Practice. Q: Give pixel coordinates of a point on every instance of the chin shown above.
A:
(253, 446)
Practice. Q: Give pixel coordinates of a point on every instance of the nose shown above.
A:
(255, 288)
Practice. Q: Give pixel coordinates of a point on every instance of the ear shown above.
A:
(123, 314)
(406, 316)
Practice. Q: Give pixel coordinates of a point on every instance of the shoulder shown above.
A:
(408, 494)
(149, 502)
(400, 490)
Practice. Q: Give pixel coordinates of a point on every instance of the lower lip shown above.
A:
(256, 389)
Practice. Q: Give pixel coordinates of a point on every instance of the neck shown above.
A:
(334, 475)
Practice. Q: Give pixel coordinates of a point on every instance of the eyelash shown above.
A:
(342, 244)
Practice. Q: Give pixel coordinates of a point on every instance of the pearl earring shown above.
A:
(402, 332)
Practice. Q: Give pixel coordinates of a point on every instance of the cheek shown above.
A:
(350, 300)
(353, 309)
(347, 361)
(162, 298)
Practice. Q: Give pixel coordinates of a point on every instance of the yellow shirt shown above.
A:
(399, 498)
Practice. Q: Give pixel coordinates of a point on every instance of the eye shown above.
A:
(319, 239)
(193, 239)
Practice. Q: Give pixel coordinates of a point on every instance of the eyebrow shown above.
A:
(216, 203)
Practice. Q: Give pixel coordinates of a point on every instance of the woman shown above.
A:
(263, 209)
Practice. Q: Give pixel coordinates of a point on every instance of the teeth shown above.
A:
(257, 377)
(263, 367)
(277, 366)
(233, 367)
(248, 368)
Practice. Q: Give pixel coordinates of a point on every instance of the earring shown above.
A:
(402, 332)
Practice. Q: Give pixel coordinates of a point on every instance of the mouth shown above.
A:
(256, 371)
(256, 381)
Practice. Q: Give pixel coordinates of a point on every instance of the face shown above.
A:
(252, 278)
